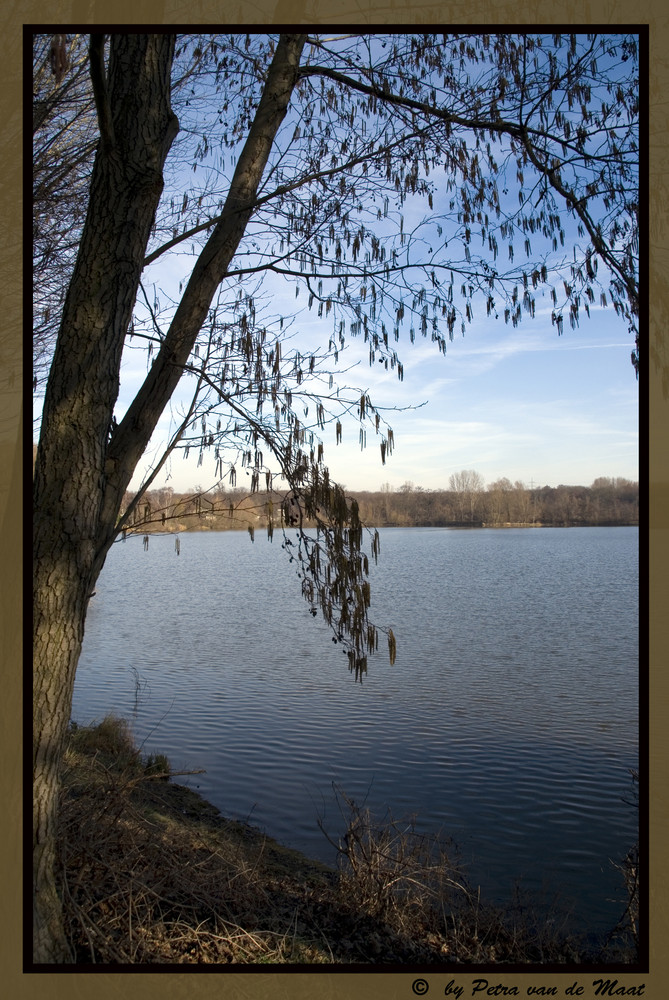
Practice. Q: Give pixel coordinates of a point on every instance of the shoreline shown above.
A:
(161, 529)
(154, 873)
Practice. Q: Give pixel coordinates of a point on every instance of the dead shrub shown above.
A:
(415, 886)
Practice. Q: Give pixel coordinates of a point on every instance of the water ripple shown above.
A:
(508, 721)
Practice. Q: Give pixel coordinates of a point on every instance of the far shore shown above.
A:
(202, 525)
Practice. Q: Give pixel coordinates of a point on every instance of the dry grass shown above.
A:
(151, 873)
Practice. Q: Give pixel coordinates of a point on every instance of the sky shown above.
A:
(521, 403)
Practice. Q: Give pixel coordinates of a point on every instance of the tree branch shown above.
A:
(520, 131)
(100, 92)
(283, 189)
(138, 424)
(577, 205)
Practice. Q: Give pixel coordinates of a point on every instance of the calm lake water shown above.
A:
(508, 722)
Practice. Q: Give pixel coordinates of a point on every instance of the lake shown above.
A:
(509, 720)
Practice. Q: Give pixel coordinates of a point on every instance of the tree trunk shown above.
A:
(83, 386)
(81, 471)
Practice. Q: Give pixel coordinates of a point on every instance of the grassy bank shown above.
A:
(152, 873)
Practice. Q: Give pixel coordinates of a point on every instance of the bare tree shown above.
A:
(64, 140)
(313, 163)
(467, 485)
(499, 501)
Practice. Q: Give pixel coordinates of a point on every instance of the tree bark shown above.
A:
(81, 470)
(83, 386)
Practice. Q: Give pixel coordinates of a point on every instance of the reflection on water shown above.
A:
(509, 720)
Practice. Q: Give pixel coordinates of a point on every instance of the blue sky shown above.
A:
(520, 403)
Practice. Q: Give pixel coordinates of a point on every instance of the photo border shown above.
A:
(259, 984)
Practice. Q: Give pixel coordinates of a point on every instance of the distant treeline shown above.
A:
(605, 502)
